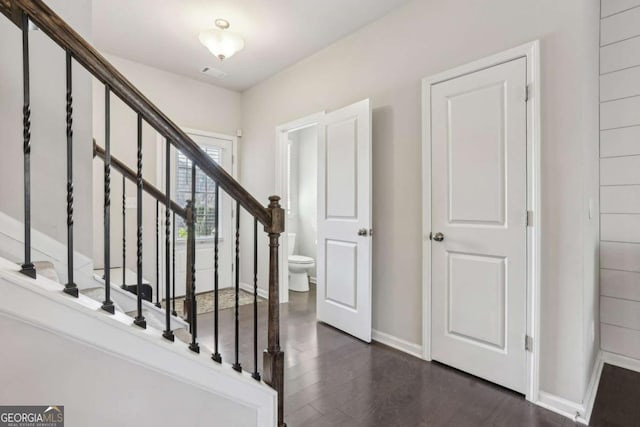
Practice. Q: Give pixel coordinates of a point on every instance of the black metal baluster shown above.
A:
(107, 305)
(193, 307)
(256, 374)
(173, 265)
(139, 320)
(216, 355)
(237, 365)
(124, 233)
(186, 303)
(70, 287)
(27, 268)
(158, 254)
(168, 333)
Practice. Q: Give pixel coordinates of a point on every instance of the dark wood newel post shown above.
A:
(273, 355)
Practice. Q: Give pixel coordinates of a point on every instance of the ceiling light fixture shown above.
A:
(220, 41)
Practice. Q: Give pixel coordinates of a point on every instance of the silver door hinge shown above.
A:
(529, 218)
(527, 93)
(528, 343)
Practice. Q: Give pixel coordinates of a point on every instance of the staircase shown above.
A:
(108, 372)
(24, 13)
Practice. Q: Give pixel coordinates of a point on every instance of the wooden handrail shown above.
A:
(13, 13)
(62, 34)
(131, 175)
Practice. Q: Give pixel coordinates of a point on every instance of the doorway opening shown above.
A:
(343, 214)
(297, 177)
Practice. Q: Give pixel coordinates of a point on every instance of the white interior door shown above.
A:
(344, 220)
(479, 189)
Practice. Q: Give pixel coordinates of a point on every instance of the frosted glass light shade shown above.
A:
(222, 43)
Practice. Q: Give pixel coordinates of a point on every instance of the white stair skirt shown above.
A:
(113, 349)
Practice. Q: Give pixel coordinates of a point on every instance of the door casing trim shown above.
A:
(530, 51)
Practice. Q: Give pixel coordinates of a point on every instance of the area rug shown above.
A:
(226, 300)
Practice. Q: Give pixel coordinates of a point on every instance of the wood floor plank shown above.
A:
(617, 399)
(335, 380)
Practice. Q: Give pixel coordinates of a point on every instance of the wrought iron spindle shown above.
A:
(216, 354)
(173, 266)
(168, 333)
(256, 374)
(27, 268)
(236, 364)
(124, 233)
(139, 320)
(186, 303)
(70, 287)
(107, 305)
(193, 305)
(158, 254)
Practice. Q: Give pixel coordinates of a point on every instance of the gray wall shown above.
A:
(620, 177)
(385, 61)
(48, 130)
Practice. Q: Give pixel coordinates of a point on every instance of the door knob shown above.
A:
(362, 232)
(438, 237)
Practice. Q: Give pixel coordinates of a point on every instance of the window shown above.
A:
(205, 209)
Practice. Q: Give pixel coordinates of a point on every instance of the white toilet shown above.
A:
(299, 267)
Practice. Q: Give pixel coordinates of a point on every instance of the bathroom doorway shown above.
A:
(335, 244)
(297, 184)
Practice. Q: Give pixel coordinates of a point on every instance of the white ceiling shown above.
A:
(277, 33)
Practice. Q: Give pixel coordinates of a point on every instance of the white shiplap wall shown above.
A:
(620, 177)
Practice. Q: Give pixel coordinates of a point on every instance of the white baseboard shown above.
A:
(592, 388)
(621, 361)
(397, 343)
(263, 293)
(313, 280)
(561, 406)
(579, 412)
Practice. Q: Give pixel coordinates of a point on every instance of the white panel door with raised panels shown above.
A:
(479, 189)
(344, 220)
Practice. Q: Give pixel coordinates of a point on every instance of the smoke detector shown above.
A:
(213, 72)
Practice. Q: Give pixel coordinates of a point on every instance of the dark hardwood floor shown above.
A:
(618, 400)
(333, 379)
